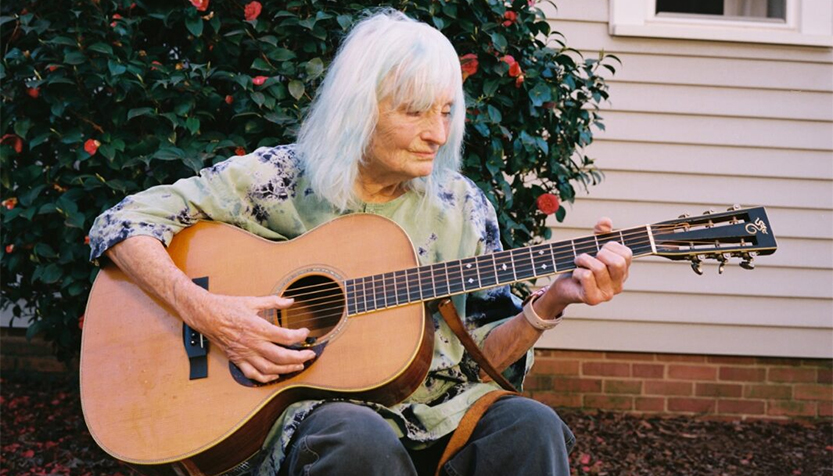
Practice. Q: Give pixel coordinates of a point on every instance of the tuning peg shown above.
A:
(697, 265)
(723, 260)
(684, 215)
(747, 262)
(733, 208)
(709, 211)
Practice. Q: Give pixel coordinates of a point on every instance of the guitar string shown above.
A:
(452, 273)
(522, 260)
(316, 315)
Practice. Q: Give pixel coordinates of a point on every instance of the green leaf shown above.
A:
(540, 94)
(22, 127)
(314, 68)
(296, 89)
(258, 98)
(101, 48)
(44, 250)
(74, 58)
(62, 40)
(344, 21)
(139, 111)
(261, 65)
(194, 25)
(499, 41)
(494, 114)
(193, 125)
(51, 274)
(116, 68)
(280, 54)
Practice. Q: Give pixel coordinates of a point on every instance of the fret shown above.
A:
(514, 268)
(523, 264)
(565, 255)
(426, 283)
(378, 292)
(504, 268)
(606, 238)
(455, 278)
(552, 258)
(412, 279)
(361, 304)
(587, 245)
(390, 290)
(350, 289)
(486, 271)
(439, 275)
(401, 285)
(541, 259)
(638, 240)
(471, 280)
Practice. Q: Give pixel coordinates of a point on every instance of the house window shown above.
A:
(726, 9)
(780, 22)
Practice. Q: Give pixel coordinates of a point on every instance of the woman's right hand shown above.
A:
(255, 345)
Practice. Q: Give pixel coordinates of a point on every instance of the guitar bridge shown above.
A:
(196, 345)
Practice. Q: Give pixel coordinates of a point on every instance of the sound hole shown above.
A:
(319, 305)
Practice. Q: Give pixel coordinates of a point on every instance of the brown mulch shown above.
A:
(43, 433)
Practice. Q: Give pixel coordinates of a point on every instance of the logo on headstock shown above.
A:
(754, 228)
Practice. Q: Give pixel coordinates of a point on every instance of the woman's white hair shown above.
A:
(386, 55)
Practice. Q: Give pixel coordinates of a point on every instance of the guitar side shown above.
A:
(138, 400)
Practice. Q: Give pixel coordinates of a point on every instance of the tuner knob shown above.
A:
(733, 208)
(709, 211)
(697, 266)
(684, 215)
(723, 260)
(747, 263)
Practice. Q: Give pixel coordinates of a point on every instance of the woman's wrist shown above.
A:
(541, 317)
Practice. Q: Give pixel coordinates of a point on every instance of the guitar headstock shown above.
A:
(739, 232)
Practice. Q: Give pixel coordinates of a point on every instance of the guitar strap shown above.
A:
(466, 427)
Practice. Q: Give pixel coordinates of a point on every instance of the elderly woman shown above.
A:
(383, 136)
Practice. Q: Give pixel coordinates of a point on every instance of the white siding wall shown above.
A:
(693, 125)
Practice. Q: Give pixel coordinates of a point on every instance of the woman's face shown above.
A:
(405, 141)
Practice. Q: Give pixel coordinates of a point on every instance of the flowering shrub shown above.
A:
(105, 98)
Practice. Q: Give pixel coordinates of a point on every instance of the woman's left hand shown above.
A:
(595, 279)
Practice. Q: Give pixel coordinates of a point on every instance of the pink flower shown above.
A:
(91, 146)
(469, 64)
(116, 16)
(547, 203)
(511, 17)
(9, 249)
(33, 92)
(229, 99)
(17, 142)
(252, 10)
(240, 151)
(10, 203)
(201, 5)
(258, 80)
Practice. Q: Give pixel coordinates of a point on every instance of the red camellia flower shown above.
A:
(229, 99)
(252, 10)
(33, 92)
(519, 81)
(52, 68)
(87, 240)
(10, 203)
(511, 17)
(91, 146)
(469, 64)
(17, 142)
(240, 151)
(547, 203)
(258, 80)
(515, 70)
(201, 5)
(116, 16)
(81, 322)
(9, 248)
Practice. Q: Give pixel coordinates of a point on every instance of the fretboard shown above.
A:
(435, 281)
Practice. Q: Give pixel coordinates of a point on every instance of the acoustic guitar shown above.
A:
(156, 395)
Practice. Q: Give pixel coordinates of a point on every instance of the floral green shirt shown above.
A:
(268, 194)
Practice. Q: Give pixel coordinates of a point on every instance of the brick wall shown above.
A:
(17, 354)
(719, 387)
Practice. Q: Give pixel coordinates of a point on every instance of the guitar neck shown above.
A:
(440, 280)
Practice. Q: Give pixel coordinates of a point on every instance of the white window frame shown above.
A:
(808, 23)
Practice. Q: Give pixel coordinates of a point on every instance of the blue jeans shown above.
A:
(516, 436)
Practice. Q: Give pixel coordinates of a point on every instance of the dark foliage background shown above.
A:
(103, 98)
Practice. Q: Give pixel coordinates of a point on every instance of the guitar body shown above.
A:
(142, 407)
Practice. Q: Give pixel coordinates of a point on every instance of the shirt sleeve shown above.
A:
(221, 193)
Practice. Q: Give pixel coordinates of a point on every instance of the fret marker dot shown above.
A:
(504, 267)
(471, 280)
(543, 266)
(540, 252)
(468, 266)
